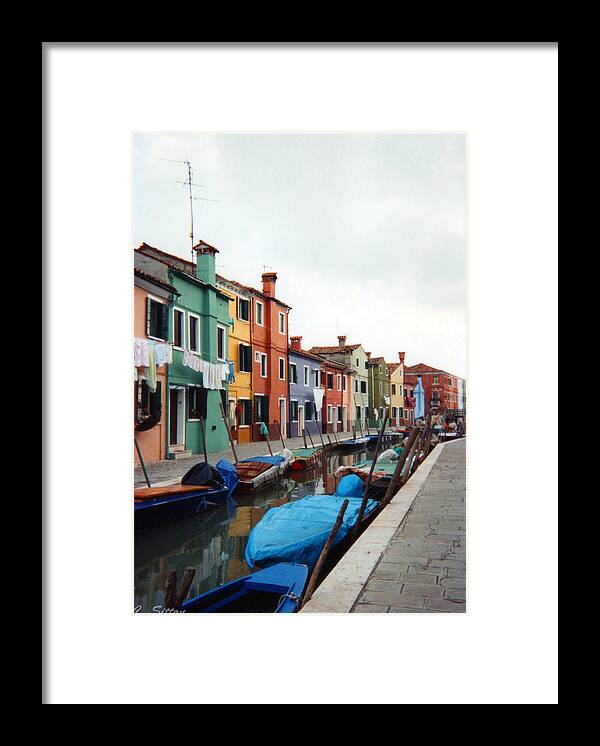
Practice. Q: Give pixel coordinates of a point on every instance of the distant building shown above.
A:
(397, 392)
(379, 388)
(354, 358)
(304, 377)
(441, 388)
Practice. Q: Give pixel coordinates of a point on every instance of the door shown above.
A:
(177, 417)
(345, 419)
(300, 419)
(283, 417)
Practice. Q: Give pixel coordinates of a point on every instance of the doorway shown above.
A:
(177, 417)
(283, 417)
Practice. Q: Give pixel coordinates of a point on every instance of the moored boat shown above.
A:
(306, 458)
(277, 589)
(352, 443)
(297, 531)
(258, 472)
(202, 487)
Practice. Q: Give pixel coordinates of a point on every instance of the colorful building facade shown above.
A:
(239, 403)
(379, 388)
(153, 296)
(354, 358)
(333, 380)
(198, 324)
(304, 373)
(270, 364)
(441, 387)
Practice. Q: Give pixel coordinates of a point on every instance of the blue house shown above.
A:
(304, 377)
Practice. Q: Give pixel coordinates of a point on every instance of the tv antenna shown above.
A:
(189, 183)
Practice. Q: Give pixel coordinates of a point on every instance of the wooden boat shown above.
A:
(258, 472)
(306, 458)
(353, 443)
(277, 590)
(156, 505)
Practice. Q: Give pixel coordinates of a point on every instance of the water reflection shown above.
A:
(214, 542)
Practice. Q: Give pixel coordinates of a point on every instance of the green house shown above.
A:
(379, 389)
(198, 326)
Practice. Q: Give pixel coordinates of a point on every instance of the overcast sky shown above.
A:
(366, 232)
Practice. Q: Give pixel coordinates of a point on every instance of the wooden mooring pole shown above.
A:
(203, 436)
(139, 453)
(363, 503)
(226, 423)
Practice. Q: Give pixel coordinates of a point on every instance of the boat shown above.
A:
(277, 589)
(201, 488)
(306, 458)
(352, 443)
(258, 472)
(297, 531)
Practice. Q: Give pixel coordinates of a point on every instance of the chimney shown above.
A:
(268, 281)
(368, 354)
(205, 262)
(342, 341)
(296, 343)
(401, 356)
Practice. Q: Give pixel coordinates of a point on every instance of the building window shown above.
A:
(436, 380)
(194, 332)
(293, 373)
(306, 375)
(263, 365)
(387, 391)
(282, 323)
(401, 413)
(282, 369)
(221, 345)
(329, 413)
(339, 382)
(156, 319)
(358, 413)
(380, 388)
(363, 387)
(308, 410)
(260, 313)
(356, 386)
(261, 409)
(245, 358)
(380, 368)
(243, 309)
(344, 383)
(317, 379)
(293, 410)
(393, 389)
(178, 329)
(394, 412)
(330, 380)
(357, 363)
(245, 412)
(196, 400)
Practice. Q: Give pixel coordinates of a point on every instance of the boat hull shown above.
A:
(157, 511)
(277, 589)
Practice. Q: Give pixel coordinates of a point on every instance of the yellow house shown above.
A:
(240, 353)
(397, 391)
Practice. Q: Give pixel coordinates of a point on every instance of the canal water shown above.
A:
(214, 542)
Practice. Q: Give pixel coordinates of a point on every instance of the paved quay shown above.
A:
(412, 558)
(173, 469)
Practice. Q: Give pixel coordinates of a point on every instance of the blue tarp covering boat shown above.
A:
(297, 531)
(276, 590)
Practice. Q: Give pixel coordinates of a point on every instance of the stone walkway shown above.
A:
(160, 471)
(423, 568)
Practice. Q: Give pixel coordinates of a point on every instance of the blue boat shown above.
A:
(297, 531)
(154, 506)
(276, 590)
(354, 442)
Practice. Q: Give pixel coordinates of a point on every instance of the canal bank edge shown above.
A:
(341, 588)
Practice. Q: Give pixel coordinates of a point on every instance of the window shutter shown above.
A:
(148, 314)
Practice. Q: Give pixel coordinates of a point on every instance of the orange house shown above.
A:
(152, 299)
(270, 364)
